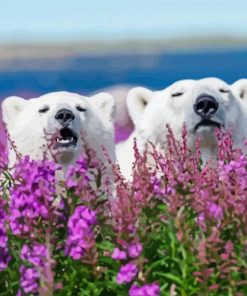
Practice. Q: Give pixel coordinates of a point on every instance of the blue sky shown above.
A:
(67, 20)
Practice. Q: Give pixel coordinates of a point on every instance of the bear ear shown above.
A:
(11, 107)
(240, 89)
(137, 100)
(104, 103)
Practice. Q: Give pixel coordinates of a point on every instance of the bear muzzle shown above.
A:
(64, 116)
(206, 106)
(208, 123)
(66, 138)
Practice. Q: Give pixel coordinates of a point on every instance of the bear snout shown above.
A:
(64, 116)
(206, 106)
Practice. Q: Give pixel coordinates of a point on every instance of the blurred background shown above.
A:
(87, 45)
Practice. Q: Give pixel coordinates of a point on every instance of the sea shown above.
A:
(88, 73)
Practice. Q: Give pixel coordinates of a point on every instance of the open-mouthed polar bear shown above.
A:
(202, 105)
(60, 124)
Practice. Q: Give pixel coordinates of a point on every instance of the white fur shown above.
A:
(239, 88)
(119, 92)
(163, 108)
(137, 100)
(31, 130)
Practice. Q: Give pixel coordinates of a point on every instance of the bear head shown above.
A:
(58, 125)
(202, 105)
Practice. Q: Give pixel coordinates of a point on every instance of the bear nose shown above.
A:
(205, 106)
(64, 116)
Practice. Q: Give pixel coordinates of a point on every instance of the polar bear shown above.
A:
(58, 125)
(239, 88)
(202, 105)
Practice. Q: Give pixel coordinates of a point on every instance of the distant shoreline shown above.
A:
(131, 46)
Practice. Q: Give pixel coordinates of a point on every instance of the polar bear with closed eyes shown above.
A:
(60, 124)
(202, 105)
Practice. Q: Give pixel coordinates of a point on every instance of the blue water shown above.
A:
(88, 73)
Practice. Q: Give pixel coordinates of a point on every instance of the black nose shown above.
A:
(205, 106)
(64, 116)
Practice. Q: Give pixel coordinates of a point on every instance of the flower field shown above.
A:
(178, 228)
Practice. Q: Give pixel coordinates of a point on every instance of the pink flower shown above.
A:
(215, 211)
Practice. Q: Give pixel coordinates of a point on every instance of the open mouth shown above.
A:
(207, 122)
(66, 138)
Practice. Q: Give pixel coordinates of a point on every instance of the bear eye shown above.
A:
(177, 94)
(80, 108)
(44, 109)
(224, 91)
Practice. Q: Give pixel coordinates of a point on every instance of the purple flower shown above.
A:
(88, 215)
(118, 254)
(32, 196)
(29, 280)
(4, 253)
(78, 176)
(134, 250)
(146, 290)
(80, 234)
(77, 170)
(127, 273)
(4, 258)
(34, 255)
(39, 275)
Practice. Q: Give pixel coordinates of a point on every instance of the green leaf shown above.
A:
(170, 276)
